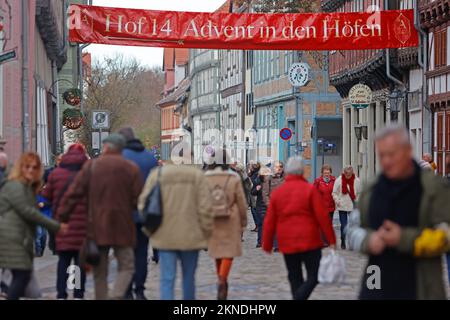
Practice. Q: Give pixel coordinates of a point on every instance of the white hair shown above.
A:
(295, 166)
(394, 130)
(348, 168)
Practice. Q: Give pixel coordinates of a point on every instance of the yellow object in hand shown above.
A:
(431, 243)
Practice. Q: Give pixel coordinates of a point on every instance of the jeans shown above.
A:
(343, 218)
(65, 259)
(168, 262)
(40, 241)
(255, 216)
(20, 280)
(260, 227)
(140, 262)
(301, 289)
(448, 266)
(125, 265)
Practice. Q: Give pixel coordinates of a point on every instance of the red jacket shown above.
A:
(326, 190)
(297, 216)
(60, 177)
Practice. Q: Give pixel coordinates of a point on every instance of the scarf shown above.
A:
(346, 183)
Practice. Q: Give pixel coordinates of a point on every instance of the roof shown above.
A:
(225, 7)
(177, 94)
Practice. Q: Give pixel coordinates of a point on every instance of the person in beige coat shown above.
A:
(186, 225)
(225, 242)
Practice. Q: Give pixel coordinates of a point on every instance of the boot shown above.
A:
(222, 290)
(343, 246)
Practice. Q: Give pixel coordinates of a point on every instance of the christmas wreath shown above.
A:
(72, 118)
(72, 96)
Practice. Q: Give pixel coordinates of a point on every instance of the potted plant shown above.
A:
(72, 118)
(72, 96)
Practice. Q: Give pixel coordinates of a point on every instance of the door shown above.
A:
(291, 143)
(282, 143)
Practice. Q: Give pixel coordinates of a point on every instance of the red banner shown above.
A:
(308, 31)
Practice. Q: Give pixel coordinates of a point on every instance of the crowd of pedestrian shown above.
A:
(92, 207)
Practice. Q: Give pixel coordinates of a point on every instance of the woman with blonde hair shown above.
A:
(19, 217)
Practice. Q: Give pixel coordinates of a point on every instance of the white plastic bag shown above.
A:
(332, 269)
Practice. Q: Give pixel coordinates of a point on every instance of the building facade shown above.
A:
(232, 97)
(73, 74)
(204, 100)
(311, 112)
(395, 78)
(434, 17)
(173, 105)
(35, 29)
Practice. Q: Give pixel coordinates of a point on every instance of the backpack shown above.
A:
(220, 200)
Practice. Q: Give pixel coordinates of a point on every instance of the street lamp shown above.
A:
(395, 101)
(361, 132)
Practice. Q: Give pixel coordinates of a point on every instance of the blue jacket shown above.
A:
(44, 206)
(143, 158)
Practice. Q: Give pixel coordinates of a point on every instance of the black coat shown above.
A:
(261, 206)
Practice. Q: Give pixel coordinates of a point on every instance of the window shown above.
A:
(288, 59)
(42, 137)
(249, 59)
(440, 48)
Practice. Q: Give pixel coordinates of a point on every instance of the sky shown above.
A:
(148, 56)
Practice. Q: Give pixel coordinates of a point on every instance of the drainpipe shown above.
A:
(80, 67)
(59, 132)
(388, 58)
(59, 139)
(423, 62)
(25, 84)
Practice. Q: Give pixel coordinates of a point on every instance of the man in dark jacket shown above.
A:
(112, 185)
(146, 161)
(253, 175)
(395, 209)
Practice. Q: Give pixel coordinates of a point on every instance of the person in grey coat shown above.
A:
(19, 217)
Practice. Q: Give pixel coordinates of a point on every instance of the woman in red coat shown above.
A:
(325, 185)
(297, 215)
(68, 245)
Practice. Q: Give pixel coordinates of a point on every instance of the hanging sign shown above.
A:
(360, 96)
(298, 74)
(257, 31)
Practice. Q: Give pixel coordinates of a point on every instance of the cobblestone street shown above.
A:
(255, 275)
